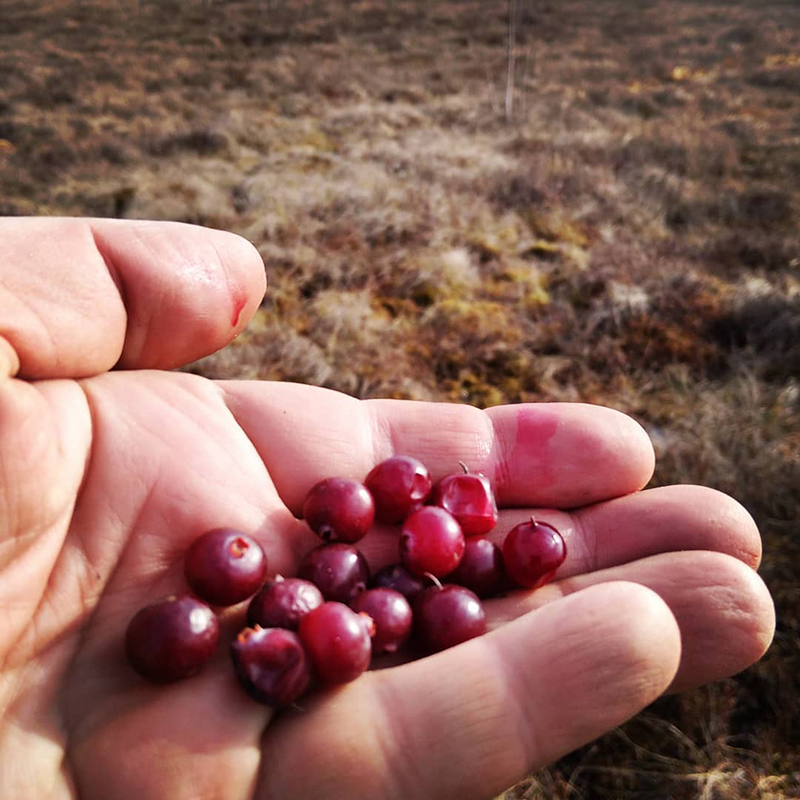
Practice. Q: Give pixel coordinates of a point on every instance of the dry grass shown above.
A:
(630, 238)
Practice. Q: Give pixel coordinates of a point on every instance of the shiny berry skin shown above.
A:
(281, 603)
(431, 542)
(468, 496)
(172, 638)
(225, 566)
(447, 616)
(532, 552)
(391, 613)
(338, 570)
(399, 485)
(271, 664)
(397, 577)
(337, 641)
(339, 509)
(481, 569)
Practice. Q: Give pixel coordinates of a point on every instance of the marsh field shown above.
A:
(606, 211)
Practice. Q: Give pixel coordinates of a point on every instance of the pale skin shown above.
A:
(106, 476)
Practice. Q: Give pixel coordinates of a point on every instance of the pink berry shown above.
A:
(339, 509)
(282, 602)
(391, 614)
(338, 570)
(225, 566)
(532, 552)
(481, 569)
(397, 577)
(431, 542)
(338, 642)
(468, 496)
(271, 664)
(399, 485)
(446, 616)
(172, 638)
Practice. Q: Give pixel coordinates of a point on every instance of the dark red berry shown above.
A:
(337, 640)
(225, 566)
(447, 616)
(468, 496)
(271, 665)
(282, 602)
(339, 509)
(532, 552)
(339, 571)
(481, 569)
(431, 542)
(391, 614)
(172, 638)
(399, 485)
(397, 577)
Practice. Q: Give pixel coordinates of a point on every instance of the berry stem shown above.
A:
(433, 579)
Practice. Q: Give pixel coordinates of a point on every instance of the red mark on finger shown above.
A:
(239, 302)
(536, 426)
(529, 463)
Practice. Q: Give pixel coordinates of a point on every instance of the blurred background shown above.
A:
(483, 202)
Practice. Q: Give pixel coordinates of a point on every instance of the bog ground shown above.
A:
(620, 228)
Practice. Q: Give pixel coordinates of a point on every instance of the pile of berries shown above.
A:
(325, 625)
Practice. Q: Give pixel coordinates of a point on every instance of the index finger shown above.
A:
(558, 455)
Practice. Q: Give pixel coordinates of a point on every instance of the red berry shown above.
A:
(339, 509)
(337, 640)
(399, 485)
(446, 616)
(391, 614)
(532, 552)
(282, 602)
(481, 569)
(172, 638)
(225, 566)
(431, 542)
(468, 496)
(397, 577)
(338, 570)
(271, 665)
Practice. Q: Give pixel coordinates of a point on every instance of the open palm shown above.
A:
(105, 477)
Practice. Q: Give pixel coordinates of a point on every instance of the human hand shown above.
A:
(107, 477)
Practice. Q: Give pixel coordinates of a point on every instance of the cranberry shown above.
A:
(337, 640)
(399, 485)
(481, 569)
(397, 577)
(282, 602)
(339, 509)
(447, 615)
(532, 552)
(391, 614)
(431, 542)
(468, 496)
(271, 665)
(338, 570)
(225, 566)
(172, 638)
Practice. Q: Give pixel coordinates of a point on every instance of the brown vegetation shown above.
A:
(630, 237)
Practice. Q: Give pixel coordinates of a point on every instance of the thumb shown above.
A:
(78, 297)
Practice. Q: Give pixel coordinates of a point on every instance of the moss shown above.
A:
(522, 284)
(553, 225)
(492, 239)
